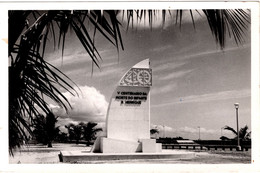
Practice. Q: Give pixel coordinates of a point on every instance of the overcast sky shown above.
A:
(195, 84)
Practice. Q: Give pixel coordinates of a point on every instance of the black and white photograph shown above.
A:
(123, 86)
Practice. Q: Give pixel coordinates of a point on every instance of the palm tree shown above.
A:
(75, 132)
(154, 131)
(89, 132)
(32, 79)
(45, 130)
(78, 133)
(71, 133)
(51, 130)
(39, 132)
(62, 137)
(244, 135)
(82, 130)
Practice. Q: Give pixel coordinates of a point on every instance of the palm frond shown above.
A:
(154, 131)
(243, 133)
(231, 22)
(31, 78)
(230, 129)
(224, 138)
(235, 21)
(248, 136)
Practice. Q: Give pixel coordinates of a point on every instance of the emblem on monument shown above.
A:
(137, 77)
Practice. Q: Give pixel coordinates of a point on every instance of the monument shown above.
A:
(128, 115)
(127, 124)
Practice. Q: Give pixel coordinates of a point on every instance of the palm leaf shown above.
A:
(154, 131)
(233, 21)
(230, 129)
(243, 132)
(224, 138)
(248, 136)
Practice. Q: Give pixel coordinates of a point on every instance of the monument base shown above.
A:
(108, 145)
(87, 157)
(150, 146)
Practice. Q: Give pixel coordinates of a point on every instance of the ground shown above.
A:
(39, 154)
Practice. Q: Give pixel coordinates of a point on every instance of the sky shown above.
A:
(195, 83)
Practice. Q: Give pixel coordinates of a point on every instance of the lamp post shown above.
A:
(238, 142)
(221, 135)
(199, 132)
(163, 131)
(156, 134)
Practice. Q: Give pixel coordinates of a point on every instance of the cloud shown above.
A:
(164, 89)
(109, 72)
(195, 130)
(222, 95)
(91, 105)
(163, 48)
(161, 66)
(185, 129)
(218, 96)
(162, 128)
(177, 74)
(191, 132)
(62, 121)
(200, 54)
(188, 129)
(78, 60)
(73, 57)
(53, 106)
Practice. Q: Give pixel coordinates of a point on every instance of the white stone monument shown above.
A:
(128, 115)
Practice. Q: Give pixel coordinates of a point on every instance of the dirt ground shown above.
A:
(38, 154)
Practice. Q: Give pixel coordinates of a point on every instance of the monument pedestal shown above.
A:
(109, 145)
(87, 157)
(150, 146)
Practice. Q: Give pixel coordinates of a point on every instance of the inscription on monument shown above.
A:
(131, 98)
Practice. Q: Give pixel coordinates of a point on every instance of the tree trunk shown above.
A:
(88, 143)
(49, 145)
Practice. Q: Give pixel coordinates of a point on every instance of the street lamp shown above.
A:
(163, 131)
(199, 132)
(156, 134)
(238, 143)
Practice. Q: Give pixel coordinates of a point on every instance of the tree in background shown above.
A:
(244, 135)
(62, 137)
(32, 79)
(83, 131)
(78, 132)
(154, 131)
(70, 128)
(75, 132)
(39, 132)
(89, 132)
(45, 130)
